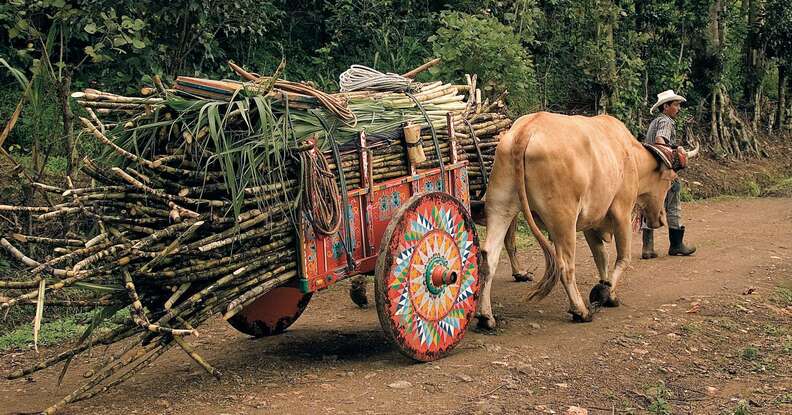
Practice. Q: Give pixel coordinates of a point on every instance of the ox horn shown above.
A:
(694, 152)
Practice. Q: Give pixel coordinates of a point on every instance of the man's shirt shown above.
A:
(662, 126)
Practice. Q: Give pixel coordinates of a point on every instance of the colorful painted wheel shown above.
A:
(272, 313)
(427, 276)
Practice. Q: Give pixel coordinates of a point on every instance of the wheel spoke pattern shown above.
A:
(432, 234)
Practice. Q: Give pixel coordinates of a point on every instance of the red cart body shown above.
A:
(370, 209)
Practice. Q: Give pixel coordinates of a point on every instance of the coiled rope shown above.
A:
(359, 77)
(321, 201)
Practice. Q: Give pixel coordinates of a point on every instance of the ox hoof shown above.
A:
(525, 277)
(581, 318)
(599, 295)
(486, 323)
(357, 293)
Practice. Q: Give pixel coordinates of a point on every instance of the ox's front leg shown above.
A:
(497, 227)
(606, 290)
(565, 257)
(600, 294)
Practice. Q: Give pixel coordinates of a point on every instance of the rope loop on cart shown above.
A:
(347, 241)
(320, 202)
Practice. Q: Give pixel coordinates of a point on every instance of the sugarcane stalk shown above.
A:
(44, 217)
(280, 225)
(197, 266)
(88, 250)
(199, 297)
(95, 119)
(163, 234)
(94, 95)
(116, 105)
(106, 141)
(247, 224)
(21, 284)
(176, 295)
(106, 371)
(73, 278)
(105, 254)
(142, 362)
(246, 266)
(47, 188)
(138, 228)
(90, 168)
(97, 189)
(197, 358)
(44, 240)
(139, 315)
(99, 302)
(164, 196)
(30, 209)
(113, 336)
(173, 247)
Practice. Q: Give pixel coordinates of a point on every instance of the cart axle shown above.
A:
(443, 276)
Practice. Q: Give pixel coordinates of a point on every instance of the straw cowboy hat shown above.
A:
(666, 96)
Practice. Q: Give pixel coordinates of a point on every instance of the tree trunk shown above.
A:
(729, 135)
(781, 111)
(753, 60)
(64, 86)
(607, 15)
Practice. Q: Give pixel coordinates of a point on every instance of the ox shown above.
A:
(570, 174)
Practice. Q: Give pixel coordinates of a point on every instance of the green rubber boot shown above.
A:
(648, 251)
(678, 247)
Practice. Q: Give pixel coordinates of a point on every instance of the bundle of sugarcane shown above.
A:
(171, 260)
(193, 205)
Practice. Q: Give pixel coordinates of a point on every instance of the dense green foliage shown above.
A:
(470, 44)
(576, 56)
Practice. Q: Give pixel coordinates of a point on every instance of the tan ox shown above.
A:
(570, 174)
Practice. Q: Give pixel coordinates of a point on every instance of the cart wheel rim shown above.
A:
(427, 276)
(272, 313)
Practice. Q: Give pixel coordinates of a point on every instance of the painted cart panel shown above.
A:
(324, 259)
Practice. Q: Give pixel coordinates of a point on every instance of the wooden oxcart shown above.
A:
(415, 233)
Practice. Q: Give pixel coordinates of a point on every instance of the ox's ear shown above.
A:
(666, 173)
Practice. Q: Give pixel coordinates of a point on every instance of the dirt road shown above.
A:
(709, 334)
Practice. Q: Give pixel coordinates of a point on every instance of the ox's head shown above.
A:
(655, 185)
(652, 199)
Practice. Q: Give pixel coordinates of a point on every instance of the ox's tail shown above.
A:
(551, 274)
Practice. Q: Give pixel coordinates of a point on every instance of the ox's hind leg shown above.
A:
(501, 210)
(511, 248)
(565, 258)
(497, 227)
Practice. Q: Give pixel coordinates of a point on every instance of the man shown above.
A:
(662, 130)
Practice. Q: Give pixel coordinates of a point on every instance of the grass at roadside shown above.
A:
(55, 332)
(783, 296)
